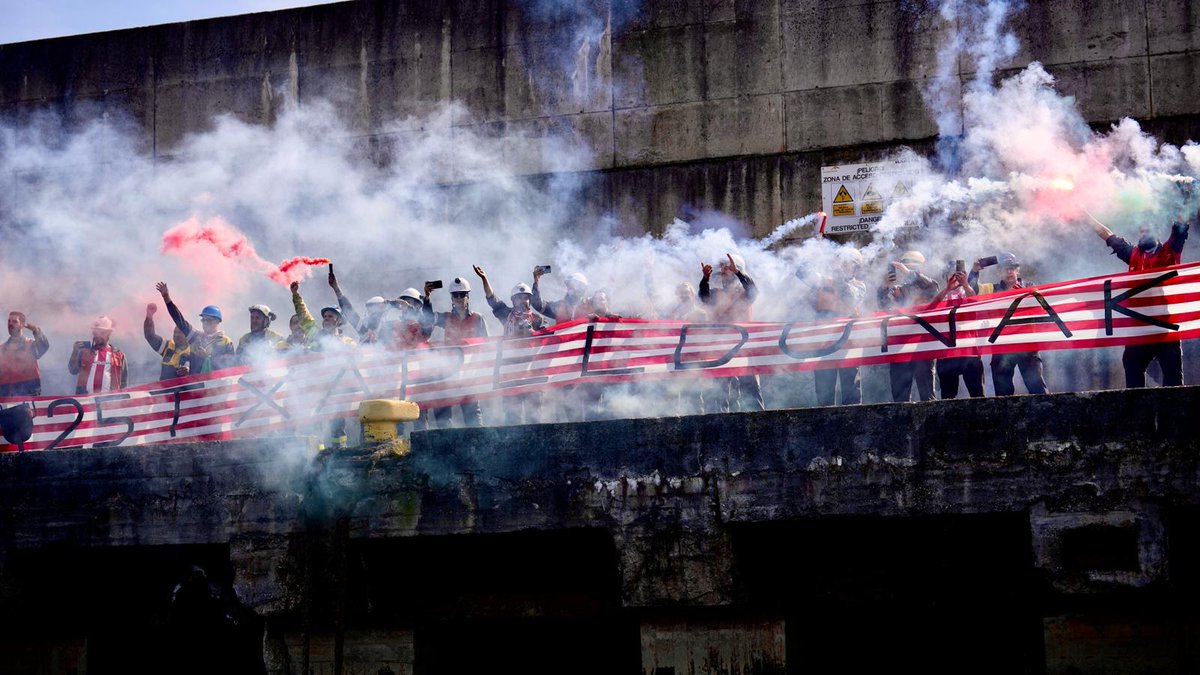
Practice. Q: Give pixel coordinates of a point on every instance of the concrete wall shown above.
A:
(687, 105)
(1032, 526)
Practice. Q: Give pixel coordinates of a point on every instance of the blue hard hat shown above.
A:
(1009, 260)
(213, 311)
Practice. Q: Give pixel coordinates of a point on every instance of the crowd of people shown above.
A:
(725, 294)
(906, 284)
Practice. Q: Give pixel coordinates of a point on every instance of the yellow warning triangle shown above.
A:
(843, 196)
(871, 195)
(899, 191)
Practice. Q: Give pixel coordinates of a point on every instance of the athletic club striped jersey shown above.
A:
(100, 370)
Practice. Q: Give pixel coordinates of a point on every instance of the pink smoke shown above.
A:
(194, 238)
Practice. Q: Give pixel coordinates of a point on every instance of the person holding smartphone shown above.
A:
(1004, 366)
(904, 285)
(837, 294)
(574, 305)
(520, 320)
(458, 325)
(970, 368)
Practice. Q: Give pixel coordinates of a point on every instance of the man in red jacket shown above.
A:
(1150, 254)
(19, 373)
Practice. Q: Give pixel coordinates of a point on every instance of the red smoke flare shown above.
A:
(217, 235)
(296, 269)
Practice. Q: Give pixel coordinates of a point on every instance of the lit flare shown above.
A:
(217, 235)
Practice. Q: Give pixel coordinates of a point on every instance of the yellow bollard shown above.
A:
(379, 418)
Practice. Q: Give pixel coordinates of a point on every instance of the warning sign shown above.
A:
(872, 201)
(843, 187)
(843, 203)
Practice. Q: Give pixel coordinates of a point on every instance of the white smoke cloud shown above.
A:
(89, 207)
(90, 210)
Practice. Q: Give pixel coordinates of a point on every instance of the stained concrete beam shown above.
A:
(542, 79)
(379, 96)
(800, 186)
(743, 55)
(710, 129)
(1108, 90)
(833, 45)
(748, 189)
(84, 65)
(1173, 26)
(1071, 32)
(186, 108)
(667, 560)
(220, 49)
(659, 66)
(127, 113)
(852, 115)
(181, 494)
(748, 645)
(560, 144)
(696, 61)
(264, 572)
(1176, 79)
(479, 82)
(653, 14)
(561, 23)
(476, 24)
(337, 34)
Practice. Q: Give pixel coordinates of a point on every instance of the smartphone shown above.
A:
(544, 269)
(434, 284)
(989, 261)
(960, 266)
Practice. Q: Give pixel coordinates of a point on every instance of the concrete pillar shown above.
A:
(675, 566)
(1086, 557)
(746, 647)
(264, 571)
(1098, 551)
(363, 652)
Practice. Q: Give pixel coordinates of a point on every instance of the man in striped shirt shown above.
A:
(98, 365)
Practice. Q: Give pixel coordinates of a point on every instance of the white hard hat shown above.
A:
(411, 293)
(102, 323)
(578, 280)
(460, 285)
(376, 300)
(739, 261)
(264, 310)
(912, 258)
(520, 289)
(851, 254)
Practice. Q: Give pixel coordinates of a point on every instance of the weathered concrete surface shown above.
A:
(695, 477)
(678, 87)
(734, 533)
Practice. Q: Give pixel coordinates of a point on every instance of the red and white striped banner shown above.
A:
(283, 397)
